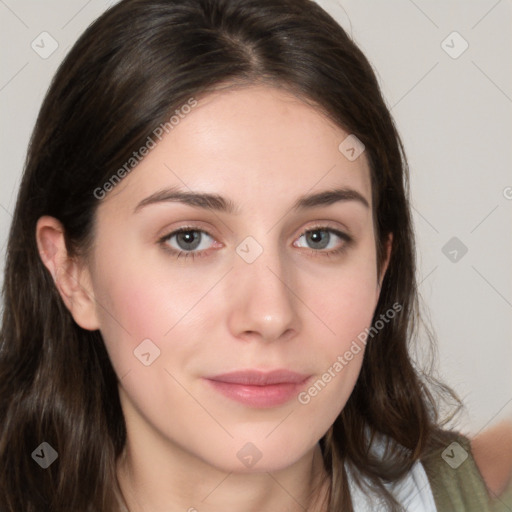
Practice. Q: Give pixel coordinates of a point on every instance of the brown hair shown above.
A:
(133, 66)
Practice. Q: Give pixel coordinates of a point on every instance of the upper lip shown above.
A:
(260, 378)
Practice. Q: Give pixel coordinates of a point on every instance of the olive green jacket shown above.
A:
(457, 484)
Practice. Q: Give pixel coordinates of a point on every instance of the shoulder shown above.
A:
(492, 451)
(464, 474)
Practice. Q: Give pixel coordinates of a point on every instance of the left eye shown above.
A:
(321, 237)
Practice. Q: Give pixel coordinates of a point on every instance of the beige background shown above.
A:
(454, 115)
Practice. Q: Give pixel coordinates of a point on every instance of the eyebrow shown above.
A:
(216, 202)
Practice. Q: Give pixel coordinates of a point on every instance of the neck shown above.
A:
(162, 481)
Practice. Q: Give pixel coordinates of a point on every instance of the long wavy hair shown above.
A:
(127, 73)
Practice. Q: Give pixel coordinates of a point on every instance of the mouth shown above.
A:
(259, 389)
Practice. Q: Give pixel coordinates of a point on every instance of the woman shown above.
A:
(210, 280)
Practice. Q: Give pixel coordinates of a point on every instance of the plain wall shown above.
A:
(454, 115)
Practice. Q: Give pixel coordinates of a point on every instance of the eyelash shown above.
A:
(177, 254)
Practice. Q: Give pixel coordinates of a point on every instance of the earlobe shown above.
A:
(71, 278)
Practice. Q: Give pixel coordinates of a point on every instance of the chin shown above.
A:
(266, 455)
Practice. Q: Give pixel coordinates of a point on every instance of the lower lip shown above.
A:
(272, 395)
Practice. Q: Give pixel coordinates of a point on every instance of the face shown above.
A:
(263, 280)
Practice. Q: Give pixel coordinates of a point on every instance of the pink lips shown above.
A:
(257, 388)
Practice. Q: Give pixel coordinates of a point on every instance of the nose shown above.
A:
(262, 299)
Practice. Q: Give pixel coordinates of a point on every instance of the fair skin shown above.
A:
(292, 307)
(242, 315)
(492, 450)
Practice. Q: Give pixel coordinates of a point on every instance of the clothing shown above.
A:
(433, 485)
(462, 488)
(413, 493)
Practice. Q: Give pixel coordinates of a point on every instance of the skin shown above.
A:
(293, 307)
(492, 450)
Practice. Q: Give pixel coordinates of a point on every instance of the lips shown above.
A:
(260, 378)
(257, 388)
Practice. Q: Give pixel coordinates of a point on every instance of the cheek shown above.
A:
(345, 305)
(154, 319)
(137, 308)
(346, 301)
(147, 325)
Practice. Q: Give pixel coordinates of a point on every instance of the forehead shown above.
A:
(256, 145)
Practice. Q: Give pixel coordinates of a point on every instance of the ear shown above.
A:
(71, 277)
(387, 250)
